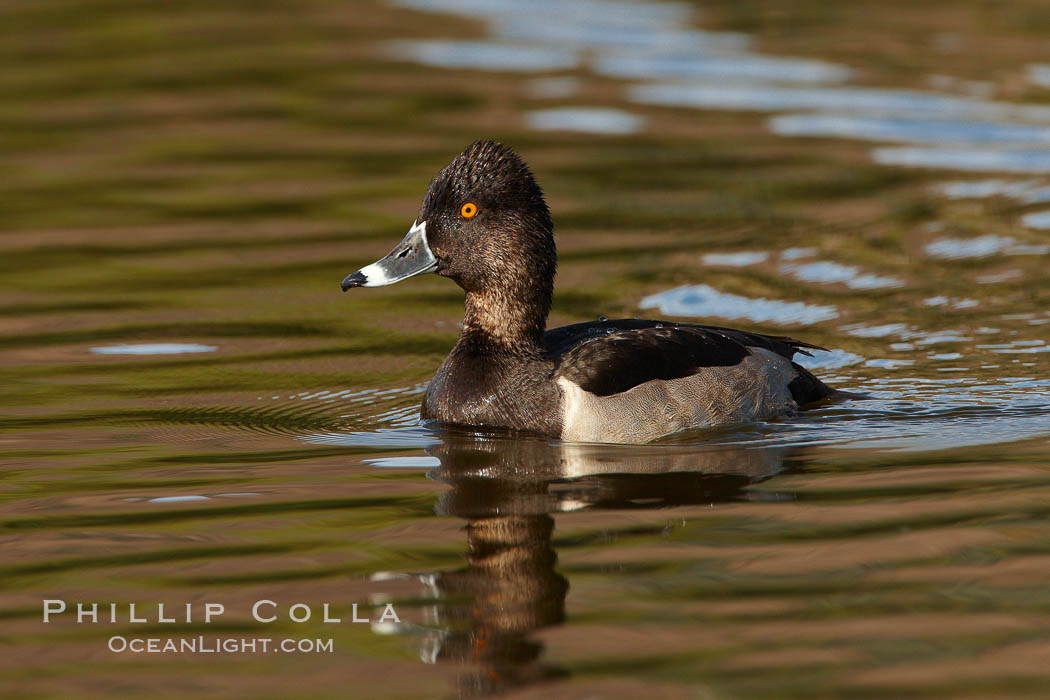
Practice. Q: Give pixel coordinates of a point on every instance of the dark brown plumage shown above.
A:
(505, 369)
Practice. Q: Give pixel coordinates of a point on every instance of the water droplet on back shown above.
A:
(603, 319)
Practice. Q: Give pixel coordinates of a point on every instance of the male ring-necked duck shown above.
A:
(484, 224)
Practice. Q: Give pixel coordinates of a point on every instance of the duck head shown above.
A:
(484, 224)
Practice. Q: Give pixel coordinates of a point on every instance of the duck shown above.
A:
(484, 224)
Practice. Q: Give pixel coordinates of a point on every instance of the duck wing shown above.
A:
(610, 357)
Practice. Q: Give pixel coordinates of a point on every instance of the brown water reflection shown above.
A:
(830, 577)
(484, 616)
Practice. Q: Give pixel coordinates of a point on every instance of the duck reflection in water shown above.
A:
(507, 490)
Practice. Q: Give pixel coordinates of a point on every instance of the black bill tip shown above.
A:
(355, 280)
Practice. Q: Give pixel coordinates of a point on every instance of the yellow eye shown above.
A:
(468, 210)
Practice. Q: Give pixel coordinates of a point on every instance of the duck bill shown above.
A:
(410, 257)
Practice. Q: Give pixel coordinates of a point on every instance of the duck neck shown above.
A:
(506, 318)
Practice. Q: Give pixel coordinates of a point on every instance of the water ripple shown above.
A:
(702, 300)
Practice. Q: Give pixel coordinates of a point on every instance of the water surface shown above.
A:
(195, 414)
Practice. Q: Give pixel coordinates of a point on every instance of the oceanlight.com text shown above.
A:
(229, 645)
